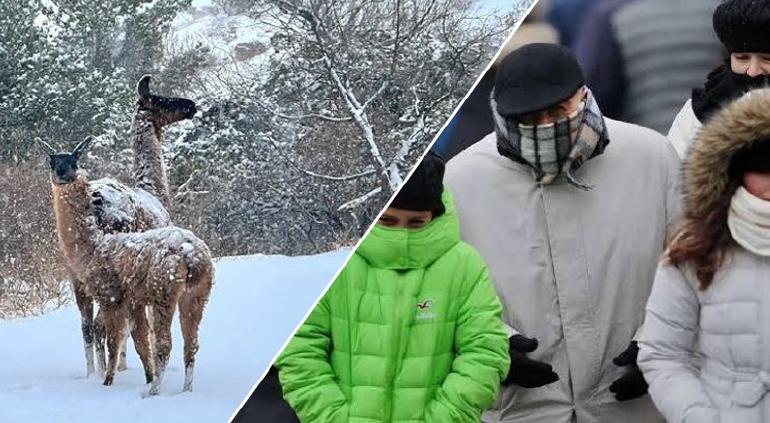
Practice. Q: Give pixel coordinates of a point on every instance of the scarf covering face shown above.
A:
(723, 86)
(547, 146)
(556, 148)
(749, 222)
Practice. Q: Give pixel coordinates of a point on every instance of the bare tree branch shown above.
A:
(360, 200)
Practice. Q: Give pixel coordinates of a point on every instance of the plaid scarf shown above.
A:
(557, 148)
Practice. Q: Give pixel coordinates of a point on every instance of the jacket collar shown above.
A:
(403, 249)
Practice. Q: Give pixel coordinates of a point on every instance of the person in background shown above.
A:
(642, 57)
(534, 29)
(266, 403)
(410, 330)
(743, 27)
(567, 17)
(712, 290)
(570, 210)
(599, 55)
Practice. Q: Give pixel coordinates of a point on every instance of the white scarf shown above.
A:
(749, 222)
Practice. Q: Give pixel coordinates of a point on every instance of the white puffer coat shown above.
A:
(684, 130)
(728, 324)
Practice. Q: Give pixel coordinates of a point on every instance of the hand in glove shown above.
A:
(524, 371)
(632, 384)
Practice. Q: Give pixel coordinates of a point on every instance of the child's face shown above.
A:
(408, 219)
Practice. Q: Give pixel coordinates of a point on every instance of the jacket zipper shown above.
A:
(396, 333)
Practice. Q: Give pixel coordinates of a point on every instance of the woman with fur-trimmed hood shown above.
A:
(712, 289)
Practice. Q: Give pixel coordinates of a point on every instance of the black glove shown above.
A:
(526, 372)
(632, 384)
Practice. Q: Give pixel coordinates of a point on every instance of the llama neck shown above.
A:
(149, 169)
(72, 209)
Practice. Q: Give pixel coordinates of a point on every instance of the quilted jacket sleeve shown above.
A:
(306, 375)
(482, 359)
(666, 349)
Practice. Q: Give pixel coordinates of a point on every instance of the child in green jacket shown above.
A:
(410, 330)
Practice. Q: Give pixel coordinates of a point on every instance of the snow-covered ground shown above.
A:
(256, 303)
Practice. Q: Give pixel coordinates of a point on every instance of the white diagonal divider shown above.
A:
(409, 175)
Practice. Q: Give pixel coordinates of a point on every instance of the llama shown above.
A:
(114, 203)
(152, 115)
(119, 208)
(125, 272)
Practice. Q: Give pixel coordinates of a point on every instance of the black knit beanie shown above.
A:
(752, 159)
(422, 191)
(743, 26)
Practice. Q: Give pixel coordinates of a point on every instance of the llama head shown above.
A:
(163, 110)
(64, 165)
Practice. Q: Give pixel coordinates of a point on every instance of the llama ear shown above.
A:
(83, 146)
(47, 149)
(143, 87)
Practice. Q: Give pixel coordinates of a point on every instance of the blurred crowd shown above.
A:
(641, 59)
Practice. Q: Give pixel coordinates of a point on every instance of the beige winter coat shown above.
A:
(729, 323)
(573, 268)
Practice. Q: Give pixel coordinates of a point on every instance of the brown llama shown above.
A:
(113, 205)
(126, 272)
(117, 207)
(152, 115)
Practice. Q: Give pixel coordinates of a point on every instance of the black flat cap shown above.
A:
(535, 77)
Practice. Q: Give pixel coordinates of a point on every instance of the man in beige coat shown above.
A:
(571, 211)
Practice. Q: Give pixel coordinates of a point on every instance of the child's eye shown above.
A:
(416, 224)
(386, 222)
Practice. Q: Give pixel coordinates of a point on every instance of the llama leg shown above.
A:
(100, 337)
(163, 315)
(86, 307)
(122, 365)
(115, 322)
(140, 332)
(191, 306)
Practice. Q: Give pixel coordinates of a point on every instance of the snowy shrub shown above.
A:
(31, 274)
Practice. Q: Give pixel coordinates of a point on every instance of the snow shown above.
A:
(240, 46)
(256, 303)
(122, 204)
(206, 23)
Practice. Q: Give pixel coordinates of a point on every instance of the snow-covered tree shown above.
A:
(311, 112)
(320, 132)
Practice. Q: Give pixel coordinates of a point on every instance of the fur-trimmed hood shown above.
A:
(738, 126)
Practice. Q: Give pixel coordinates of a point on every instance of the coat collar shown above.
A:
(403, 249)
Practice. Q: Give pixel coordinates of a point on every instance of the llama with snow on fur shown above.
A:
(117, 207)
(125, 272)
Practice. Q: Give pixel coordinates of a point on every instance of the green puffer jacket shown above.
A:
(410, 331)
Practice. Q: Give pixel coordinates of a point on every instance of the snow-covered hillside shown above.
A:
(257, 302)
(239, 46)
(235, 38)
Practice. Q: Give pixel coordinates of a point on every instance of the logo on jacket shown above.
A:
(424, 310)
